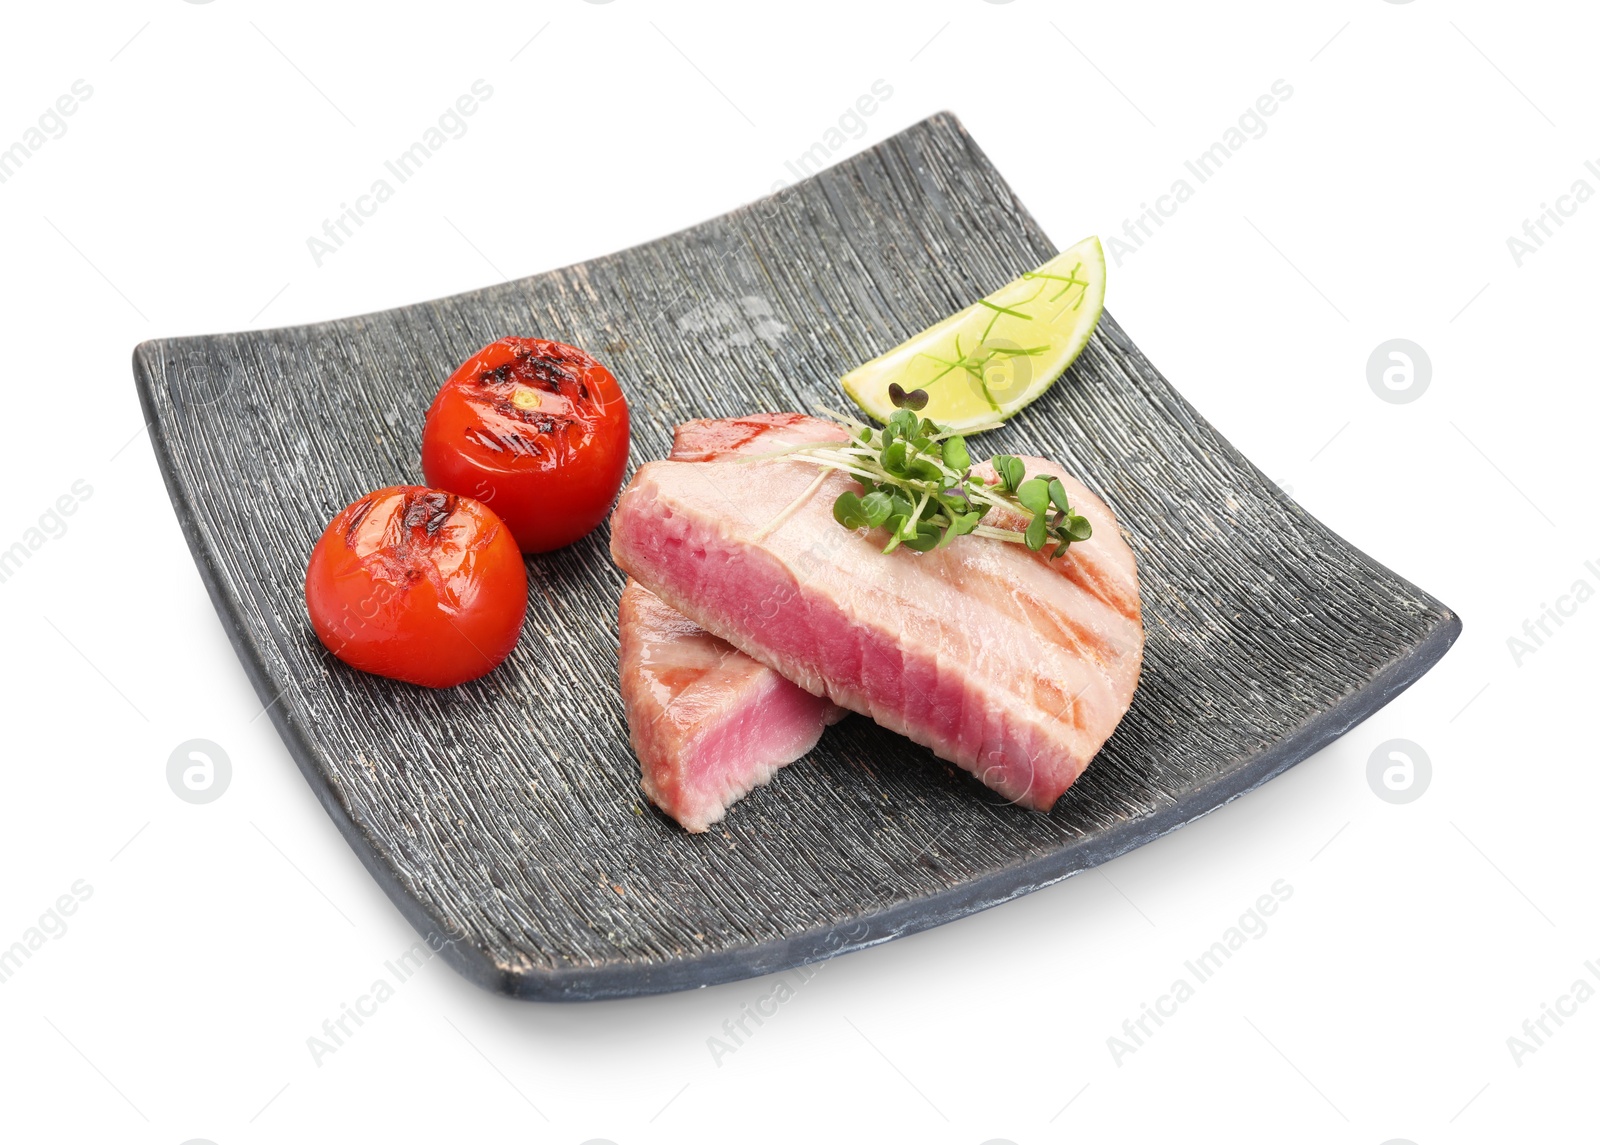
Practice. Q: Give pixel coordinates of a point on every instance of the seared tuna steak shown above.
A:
(1013, 666)
(707, 722)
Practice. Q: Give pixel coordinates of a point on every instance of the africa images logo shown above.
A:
(1399, 371)
(199, 771)
(1399, 771)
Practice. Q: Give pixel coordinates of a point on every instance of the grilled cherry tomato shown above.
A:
(536, 430)
(419, 585)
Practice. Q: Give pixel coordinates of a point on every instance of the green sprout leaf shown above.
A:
(914, 478)
(848, 512)
(964, 523)
(904, 424)
(876, 507)
(1010, 470)
(923, 539)
(1035, 497)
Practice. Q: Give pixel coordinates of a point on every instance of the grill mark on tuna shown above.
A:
(1108, 590)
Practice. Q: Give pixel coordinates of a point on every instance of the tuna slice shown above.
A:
(1014, 667)
(707, 722)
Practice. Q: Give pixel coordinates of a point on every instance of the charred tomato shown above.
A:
(417, 584)
(536, 430)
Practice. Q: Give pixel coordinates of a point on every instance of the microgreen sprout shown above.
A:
(915, 480)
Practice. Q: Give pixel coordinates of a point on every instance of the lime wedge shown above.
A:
(986, 362)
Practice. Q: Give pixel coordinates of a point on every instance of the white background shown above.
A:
(1419, 937)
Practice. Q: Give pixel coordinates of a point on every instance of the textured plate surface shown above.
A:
(504, 816)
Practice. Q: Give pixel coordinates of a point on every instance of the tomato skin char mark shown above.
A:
(543, 370)
(358, 513)
(429, 509)
(515, 444)
(549, 371)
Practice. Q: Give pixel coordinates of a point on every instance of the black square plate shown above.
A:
(505, 815)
